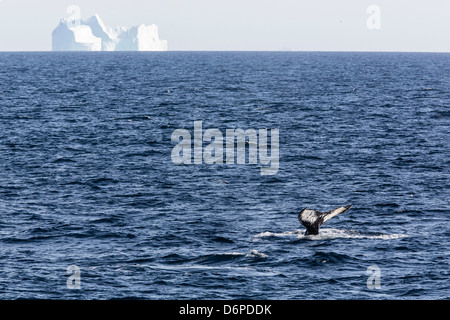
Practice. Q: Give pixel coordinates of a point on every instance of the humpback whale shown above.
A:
(313, 219)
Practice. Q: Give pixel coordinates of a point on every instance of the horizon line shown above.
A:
(337, 51)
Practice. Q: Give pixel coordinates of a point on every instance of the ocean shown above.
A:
(93, 205)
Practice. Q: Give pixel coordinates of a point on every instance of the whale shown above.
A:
(312, 219)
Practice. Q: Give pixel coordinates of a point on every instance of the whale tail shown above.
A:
(313, 219)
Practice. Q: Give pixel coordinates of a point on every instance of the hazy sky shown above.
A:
(404, 25)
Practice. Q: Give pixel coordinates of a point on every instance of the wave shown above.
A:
(325, 234)
(256, 254)
(232, 269)
(234, 262)
(218, 258)
(230, 256)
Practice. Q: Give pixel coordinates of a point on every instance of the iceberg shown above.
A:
(93, 35)
(75, 38)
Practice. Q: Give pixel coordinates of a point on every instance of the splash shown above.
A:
(256, 254)
(337, 233)
(326, 234)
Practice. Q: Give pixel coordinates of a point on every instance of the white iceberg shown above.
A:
(93, 35)
(75, 38)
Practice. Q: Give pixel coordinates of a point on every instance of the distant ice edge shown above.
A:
(92, 35)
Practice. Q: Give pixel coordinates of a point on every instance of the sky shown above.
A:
(272, 25)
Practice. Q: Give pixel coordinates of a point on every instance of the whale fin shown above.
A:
(313, 219)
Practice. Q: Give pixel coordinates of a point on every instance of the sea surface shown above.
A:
(87, 179)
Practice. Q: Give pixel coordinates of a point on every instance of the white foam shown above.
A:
(233, 254)
(256, 254)
(251, 254)
(338, 233)
(266, 234)
(328, 234)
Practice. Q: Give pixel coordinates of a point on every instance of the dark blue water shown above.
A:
(86, 176)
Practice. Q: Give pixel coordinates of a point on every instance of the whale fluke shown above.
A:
(313, 219)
